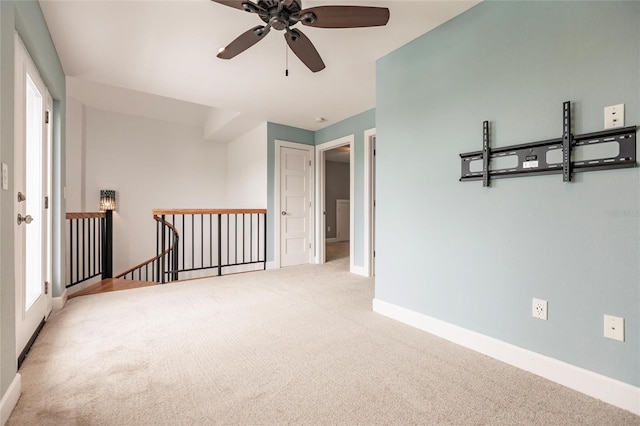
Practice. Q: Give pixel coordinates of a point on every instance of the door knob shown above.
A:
(26, 219)
(284, 213)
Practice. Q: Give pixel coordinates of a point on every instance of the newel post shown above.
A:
(107, 245)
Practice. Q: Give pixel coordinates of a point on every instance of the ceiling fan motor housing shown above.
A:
(287, 16)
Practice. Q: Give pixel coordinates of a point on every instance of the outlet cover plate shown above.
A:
(614, 116)
(614, 327)
(539, 309)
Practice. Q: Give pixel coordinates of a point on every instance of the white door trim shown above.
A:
(276, 197)
(320, 207)
(49, 209)
(368, 201)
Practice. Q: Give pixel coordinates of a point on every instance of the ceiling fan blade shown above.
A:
(304, 50)
(243, 42)
(344, 16)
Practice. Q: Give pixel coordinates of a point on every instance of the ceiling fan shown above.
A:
(284, 14)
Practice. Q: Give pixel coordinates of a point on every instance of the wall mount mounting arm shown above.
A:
(537, 158)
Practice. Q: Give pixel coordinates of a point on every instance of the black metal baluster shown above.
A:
(71, 252)
(164, 241)
(193, 249)
(95, 236)
(184, 237)
(157, 276)
(100, 244)
(77, 250)
(210, 240)
(202, 241)
(220, 244)
(244, 238)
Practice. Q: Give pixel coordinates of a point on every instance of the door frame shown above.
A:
(320, 197)
(276, 197)
(369, 199)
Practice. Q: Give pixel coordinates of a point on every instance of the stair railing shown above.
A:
(222, 240)
(150, 270)
(89, 246)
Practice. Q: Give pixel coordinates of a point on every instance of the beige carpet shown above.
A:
(293, 346)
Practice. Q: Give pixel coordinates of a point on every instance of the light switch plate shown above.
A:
(614, 327)
(614, 116)
(5, 177)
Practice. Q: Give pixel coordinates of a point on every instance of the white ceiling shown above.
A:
(168, 48)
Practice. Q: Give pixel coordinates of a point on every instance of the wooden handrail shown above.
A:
(160, 212)
(83, 215)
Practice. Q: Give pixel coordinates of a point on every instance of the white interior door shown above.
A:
(31, 184)
(295, 206)
(343, 209)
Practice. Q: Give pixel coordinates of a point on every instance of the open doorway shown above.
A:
(337, 202)
(334, 230)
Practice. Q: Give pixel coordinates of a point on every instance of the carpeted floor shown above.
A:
(298, 345)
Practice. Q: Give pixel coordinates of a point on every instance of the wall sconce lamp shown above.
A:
(107, 200)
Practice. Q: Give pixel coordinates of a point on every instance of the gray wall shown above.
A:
(336, 188)
(474, 256)
(26, 18)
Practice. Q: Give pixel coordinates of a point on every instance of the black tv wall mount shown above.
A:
(534, 158)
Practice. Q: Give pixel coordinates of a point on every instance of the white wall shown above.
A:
(247, 169)
(151, 164)
(75, 154)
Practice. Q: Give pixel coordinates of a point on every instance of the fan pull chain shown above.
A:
(286, 60)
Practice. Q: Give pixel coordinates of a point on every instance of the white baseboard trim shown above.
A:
(614, 392)
(59, 302)
(10, 399)
(272, 265)
(331, 240)
(359, 270)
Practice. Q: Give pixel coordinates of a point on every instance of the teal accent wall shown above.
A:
(356, 126)
(473, 256)
(27, 19)
(282, 133)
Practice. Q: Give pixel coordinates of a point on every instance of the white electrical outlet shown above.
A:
(539, 309)
(614, 327)
(5, 177)
(614, 116)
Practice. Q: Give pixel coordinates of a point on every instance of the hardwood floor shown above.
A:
(112, 284)
(335, 251)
